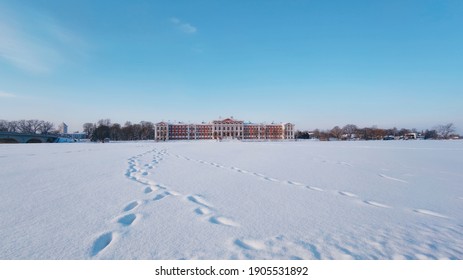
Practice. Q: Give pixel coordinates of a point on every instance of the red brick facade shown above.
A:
(223, 129)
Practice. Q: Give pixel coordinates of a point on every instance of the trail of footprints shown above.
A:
(207, 210)
(153, 192)
(313, 188)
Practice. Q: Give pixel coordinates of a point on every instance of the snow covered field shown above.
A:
(232, 200)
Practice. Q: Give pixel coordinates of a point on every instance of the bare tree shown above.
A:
(3, 125)
(378, 133)
(101, 133)
(89, 128)
(367, 133)
(349, 130)
(46, 127)
(105, 122)
(403, 131)
(13, 126)
(115, 132)
(136, 131)
(445, 130)
(392, 131)
(431, 134)
(24, 126)
(147, 130)
(127, 131)
(34, 125)
(324, 135)
(336, 132)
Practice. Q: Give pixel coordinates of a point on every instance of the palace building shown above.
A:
(223, 129)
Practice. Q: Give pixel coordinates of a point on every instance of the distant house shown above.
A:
(410, 135)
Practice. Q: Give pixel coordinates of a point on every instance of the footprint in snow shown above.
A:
(102, 242)
(294, 183)
(314, 188)
(174, 193)
(131, 206)
(249, 244)
(236, 169)
(218, 220)
(348, 194)
(127, 220)
(392, 178)
(161, 196)
(202, 211)
(430, 213)
(270, 179)
(239, 169)
(161, 186)
(377, 204)
(199, 200)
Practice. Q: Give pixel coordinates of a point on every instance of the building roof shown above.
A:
(228, 120)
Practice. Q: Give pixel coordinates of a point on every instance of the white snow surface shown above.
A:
(232, 200)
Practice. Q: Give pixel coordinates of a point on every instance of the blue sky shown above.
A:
(316, 63)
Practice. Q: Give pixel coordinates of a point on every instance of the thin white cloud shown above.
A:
(36, 43)
(175, 20)
(185, 27)
(21, 52)
(6, 95)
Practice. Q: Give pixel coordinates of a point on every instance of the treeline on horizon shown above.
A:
(28, 126)
(351, 131)
(104, 129)
(99, 131)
